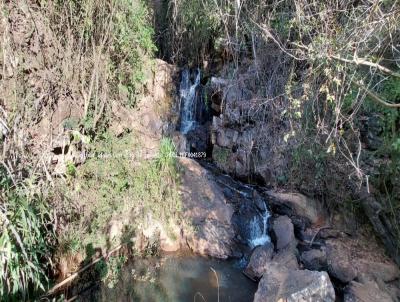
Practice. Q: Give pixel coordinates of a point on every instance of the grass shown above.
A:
(26, 240)
(115, 184)
(79, 52)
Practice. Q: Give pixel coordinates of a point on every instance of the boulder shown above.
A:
(368, 292)
(374, 270)
(207, 211)
(281, 284)
(283, 232)
(286, 258)
(260, 258)
(314, 259)
(339, 260)
(297, 204)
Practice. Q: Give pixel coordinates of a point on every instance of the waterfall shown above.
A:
(188, 96)
(259, 231)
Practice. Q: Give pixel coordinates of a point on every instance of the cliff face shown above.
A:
(249, 132)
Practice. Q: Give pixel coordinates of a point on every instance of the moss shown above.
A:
(220, 155)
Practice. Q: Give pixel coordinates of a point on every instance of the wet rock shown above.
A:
(207, 210)
(259, 201)
(250, 224)
(263, 258)
(259, 261)
(297, 204)
(197, 139)
(283, 232)
(314, 259)
(368, 292)
(340, 264)
(281, 284)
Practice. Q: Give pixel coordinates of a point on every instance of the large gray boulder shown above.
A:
(280, 284)
(263, 258)
(339, 260)
(314, 259)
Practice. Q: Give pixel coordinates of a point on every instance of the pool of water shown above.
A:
(177, 278)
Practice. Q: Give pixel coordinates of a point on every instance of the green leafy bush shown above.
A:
(25, 241)
(132, 44)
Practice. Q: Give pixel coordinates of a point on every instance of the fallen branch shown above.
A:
(76, 274)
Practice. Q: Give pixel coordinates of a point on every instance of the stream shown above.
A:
(184, 276)
(177, 278)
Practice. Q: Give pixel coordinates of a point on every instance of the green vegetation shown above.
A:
(62, 70)
(115, 182)
(26, 239)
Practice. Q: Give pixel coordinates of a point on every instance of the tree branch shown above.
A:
(364, 62)
(375, 97)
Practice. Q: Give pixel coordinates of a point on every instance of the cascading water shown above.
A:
(188, 98)
(259, 232)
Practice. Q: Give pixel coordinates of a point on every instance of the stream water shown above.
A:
(177, 278)
(187, 277)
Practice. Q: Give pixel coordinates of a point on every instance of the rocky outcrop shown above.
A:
(207, 211)
(156, 113)
(281, 284)
(253, 148)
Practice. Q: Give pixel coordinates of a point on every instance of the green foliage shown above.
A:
(24, 241)
(109, 270)
(196, 25)
(71, 169)
(132, 44)
(220, 155)
(115, 181)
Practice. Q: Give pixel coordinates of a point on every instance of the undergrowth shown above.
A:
(116, 183)
(26, 240)
(63, 65)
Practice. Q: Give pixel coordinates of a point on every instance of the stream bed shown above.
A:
(177, 278)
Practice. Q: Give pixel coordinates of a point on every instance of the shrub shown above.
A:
(25, 242)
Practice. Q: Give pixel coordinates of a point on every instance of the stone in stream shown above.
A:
(260, 258)
(281, 284)
(283, 233)
(263, 258)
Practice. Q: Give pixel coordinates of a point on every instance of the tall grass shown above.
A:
(25, 242)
